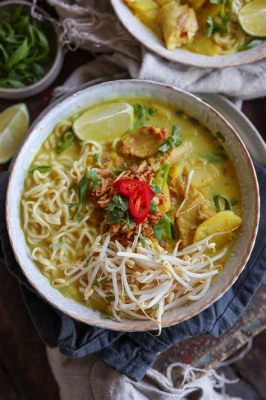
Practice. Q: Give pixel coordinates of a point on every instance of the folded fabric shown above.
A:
(133, 353)
(92, 25)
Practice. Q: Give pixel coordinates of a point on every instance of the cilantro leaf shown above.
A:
(65, 141)
(156, 188)
(117, 209)
(129, 223)
(172, 141)
(142, 114)
(164, 229)
(94, 178)
(96, 157)
(143, 241)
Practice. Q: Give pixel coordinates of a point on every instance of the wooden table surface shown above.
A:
(24, 370)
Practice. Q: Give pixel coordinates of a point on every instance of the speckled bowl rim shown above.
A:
(140, 325)
(145, 36)
(51, 74)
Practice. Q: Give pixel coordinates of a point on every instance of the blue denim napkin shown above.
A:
(133, 353)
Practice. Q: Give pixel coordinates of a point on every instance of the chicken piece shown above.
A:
(179, 24)
(144, 142)
(195, 210)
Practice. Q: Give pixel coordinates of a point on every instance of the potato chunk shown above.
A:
(223, 221)
(144, 142)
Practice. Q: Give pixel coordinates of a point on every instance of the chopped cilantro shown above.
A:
(118, 171)
(164, 229)
(129, 223)
(96, 157)
(143, 241)
(99, 282)
(156, 188)
(213, 26)
(251, 43)
(153, 207)
(94, 179)
(173, 141)
(110, 299)
(117, 209)
(142, 114)
(65, 141)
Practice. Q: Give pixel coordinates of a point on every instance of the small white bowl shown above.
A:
(51, 74)
(184, 101)
(145, 36)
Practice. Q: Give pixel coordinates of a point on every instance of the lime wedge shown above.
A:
(104, 123)
(14, 123)
(252, 18)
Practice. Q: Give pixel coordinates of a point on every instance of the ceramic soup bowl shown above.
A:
(197, 108)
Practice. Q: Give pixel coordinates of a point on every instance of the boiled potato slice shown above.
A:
(223, 221)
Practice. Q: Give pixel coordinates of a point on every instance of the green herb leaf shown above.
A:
(210, 26)
(101, 281)
(222, 203)
(164, 229)
(19, 54)
(110, 299)
(129, 223)
(156, 188)
(143, 241)
(66, 140)
(214, 157)
(173, 141)
(153, 207)
(117, 209)
(71, 205)
(142, 114)
(93, 178)
(118, 171)
(96, 157)
(83, 189)
(41, 168)
(251, 43)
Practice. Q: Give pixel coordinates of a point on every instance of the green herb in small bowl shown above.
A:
(30, 52)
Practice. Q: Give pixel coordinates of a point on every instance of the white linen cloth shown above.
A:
(92, 25)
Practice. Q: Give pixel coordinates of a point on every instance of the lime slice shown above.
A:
(14, 123)
(104, 123)
(252, 18)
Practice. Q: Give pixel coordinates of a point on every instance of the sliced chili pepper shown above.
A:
(139, 203)
(125, 187)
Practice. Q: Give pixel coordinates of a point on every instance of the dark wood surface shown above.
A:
(24, 370)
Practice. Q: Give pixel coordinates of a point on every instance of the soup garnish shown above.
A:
(136, 225)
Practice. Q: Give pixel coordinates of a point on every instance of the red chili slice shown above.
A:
(139, 203)
(126, 186)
